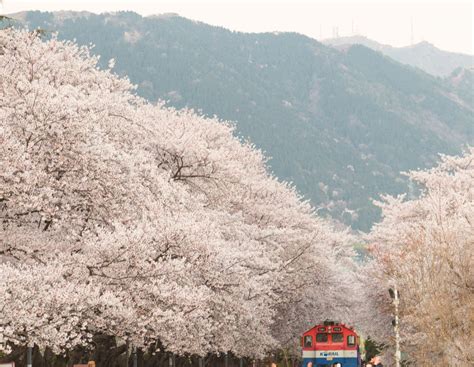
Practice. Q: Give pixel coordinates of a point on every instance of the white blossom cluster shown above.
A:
(146, 223)
(425, 248)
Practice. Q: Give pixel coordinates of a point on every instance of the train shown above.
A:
(331, 344)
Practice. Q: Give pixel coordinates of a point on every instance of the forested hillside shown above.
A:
(422, 55)
(340, 125)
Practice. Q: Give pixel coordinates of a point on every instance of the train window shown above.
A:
(308, 341)
(351, 340)
(322, 337)
(337, 338)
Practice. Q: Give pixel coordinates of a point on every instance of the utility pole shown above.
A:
(395, 295)
(29, 356)
(135, 357)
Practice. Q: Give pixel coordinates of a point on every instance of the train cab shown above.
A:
(330, 344)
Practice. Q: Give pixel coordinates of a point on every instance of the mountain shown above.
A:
(423, 55)
(339, 124)
(463, 81)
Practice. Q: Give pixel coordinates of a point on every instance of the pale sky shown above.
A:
(446, 24)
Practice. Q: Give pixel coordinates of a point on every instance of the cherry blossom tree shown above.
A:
(139, 221)
(425, 248)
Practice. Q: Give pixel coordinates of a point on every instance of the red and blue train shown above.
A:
(331, 344)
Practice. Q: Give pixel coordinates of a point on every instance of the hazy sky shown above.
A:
(446, 24)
